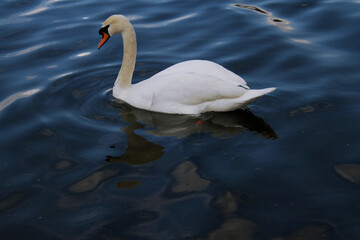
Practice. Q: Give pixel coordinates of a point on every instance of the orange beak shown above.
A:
(104, 38)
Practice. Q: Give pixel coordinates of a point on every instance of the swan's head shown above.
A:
(113, 25)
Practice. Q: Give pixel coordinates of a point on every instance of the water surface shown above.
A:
(75, 164)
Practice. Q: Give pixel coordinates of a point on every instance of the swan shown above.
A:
(189, 87)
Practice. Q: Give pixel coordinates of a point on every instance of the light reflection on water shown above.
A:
(9, 100)
(28, 50)
(165, 23)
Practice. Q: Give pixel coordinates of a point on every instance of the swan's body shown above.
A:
(190, 87)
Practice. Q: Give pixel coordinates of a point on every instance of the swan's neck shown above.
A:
(124, 77)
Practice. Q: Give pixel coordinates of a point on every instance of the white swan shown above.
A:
(190, 87)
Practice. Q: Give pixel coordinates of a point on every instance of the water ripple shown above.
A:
(29, 50)
(167, 22)
(14, 21)
(45, 5)
(16, 96)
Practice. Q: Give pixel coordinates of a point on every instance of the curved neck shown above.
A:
(124, 77)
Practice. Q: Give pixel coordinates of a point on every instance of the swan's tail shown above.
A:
(254, 94)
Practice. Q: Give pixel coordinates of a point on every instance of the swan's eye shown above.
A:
(104, 30)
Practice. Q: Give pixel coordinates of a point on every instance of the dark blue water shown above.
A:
(74, 164)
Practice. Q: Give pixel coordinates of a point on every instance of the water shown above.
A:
(77, 165)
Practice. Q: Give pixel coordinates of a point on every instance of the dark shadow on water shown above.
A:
(280, 23)
(253, 8)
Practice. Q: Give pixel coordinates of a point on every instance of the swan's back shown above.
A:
(205, 68)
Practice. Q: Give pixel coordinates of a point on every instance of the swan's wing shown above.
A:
(183, 90)
(204, 67)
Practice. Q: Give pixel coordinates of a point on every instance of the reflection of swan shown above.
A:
(216, 123)
(139, 151)
(190, 87)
